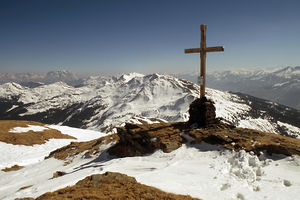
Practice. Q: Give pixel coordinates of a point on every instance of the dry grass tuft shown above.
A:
(25, 187)
(13, 168)
(28, 138)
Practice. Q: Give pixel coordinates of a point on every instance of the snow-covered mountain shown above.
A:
(101, 103)
(280, 85)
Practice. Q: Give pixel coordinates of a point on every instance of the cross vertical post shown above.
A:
(203, 59)
(202, 50)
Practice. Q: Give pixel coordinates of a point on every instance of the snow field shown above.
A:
(204, 171)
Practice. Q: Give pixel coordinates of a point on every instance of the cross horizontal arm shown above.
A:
(212, 49)
(207, 49)
(195, 50)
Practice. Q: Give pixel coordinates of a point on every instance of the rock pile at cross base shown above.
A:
(202, 113)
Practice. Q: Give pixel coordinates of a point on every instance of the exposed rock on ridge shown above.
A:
(137, 140)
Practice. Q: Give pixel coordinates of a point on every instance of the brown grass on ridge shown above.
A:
(28, 138)
(111, 185)
(13, 168)
(91, 147)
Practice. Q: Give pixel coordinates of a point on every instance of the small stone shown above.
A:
(287, 183)
(256, 188)
(240, 196)
(224, 186)
(58, 174)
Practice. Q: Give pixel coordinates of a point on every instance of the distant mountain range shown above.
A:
(37, 79)
(101, 103)
(281, 85)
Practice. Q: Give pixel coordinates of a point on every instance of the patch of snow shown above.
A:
(280, 84)
(81, 134)
(25, 155)
(144, 120)
(13, 107)
(26, 129)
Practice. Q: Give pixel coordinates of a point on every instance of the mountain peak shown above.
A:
(127, 77)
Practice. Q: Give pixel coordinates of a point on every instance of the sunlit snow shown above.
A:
(204, 171)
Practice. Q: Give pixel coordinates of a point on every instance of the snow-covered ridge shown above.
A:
(101, 103)
(281, 85)
(285, 72)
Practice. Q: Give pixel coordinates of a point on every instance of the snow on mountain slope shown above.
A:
(102, 103)
(280, 85)
(204, 171)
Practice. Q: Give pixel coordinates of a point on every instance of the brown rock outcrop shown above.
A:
(90, 147)
(137, 140)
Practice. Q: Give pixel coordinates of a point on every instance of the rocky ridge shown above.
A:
(137, 140)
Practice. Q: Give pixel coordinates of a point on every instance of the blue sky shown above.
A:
(119, 36)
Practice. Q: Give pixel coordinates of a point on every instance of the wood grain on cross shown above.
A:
(202, 50)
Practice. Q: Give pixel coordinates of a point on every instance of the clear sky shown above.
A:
(146, 36)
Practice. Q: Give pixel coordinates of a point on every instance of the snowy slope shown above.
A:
(25, 155)
(101, 103)
(204, 171)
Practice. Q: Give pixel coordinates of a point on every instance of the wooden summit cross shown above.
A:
(202, 50)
